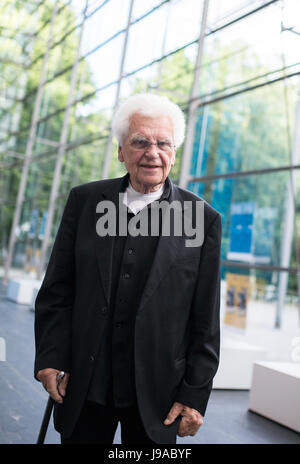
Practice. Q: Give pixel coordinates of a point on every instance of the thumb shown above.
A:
(173, 413)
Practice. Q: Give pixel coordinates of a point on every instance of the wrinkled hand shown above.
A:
(48, 379)
(190, 422)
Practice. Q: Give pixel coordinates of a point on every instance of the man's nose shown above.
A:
(152, 150)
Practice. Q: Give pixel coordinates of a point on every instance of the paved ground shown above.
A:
(22, 399)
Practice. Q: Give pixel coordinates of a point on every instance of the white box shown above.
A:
(275, 392)
(236, 364)
(21, 290)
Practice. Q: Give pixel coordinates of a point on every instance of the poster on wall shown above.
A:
(237, 292)
(241, 231)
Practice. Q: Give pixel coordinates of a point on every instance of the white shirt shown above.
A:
(136, 201)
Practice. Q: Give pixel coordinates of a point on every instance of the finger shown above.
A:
(189, 425)
(185, 428)
(62, 386)
(193, 414)
(173, 413)
(51, 387)
(55, 395)
(45, 374)
(49, 379)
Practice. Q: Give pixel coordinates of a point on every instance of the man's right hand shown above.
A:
(48, 379)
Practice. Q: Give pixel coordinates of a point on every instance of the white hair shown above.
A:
(148, 105)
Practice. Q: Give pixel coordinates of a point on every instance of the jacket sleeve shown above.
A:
(54, 301)
(203, 351)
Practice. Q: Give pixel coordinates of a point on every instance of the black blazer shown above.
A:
(177, 322)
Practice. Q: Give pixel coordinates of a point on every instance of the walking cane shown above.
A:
(48, 412)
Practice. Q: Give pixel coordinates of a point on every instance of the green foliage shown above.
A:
(55, 94)
(247, 132)
(250, 131)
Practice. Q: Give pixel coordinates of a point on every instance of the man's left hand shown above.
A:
(190, 422)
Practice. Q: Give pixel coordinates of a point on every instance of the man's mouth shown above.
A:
(150, 166)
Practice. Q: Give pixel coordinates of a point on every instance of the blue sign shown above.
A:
(241, 231)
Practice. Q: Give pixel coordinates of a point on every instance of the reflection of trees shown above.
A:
(245, 132)
(216, 129)
(248, 131)
(77, 164)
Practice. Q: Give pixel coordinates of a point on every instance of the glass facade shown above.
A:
(66, 65)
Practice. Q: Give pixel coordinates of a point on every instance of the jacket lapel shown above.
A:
(169, 249)
(104, 245)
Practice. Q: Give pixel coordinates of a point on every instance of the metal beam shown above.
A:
(288, 220)
(192, 111)
(250, 172)
(200, 99)
(29, 148)
(61, 153)
(261, 267)
(108, 154)
(47, 142)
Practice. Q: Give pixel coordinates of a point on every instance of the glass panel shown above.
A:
(30, 230)
(248, 313)
(104, 24)
(141, 81)
(165, 22)
(258, 222)
(141, 8)
(220, 12)
(79, 5)
(141, 51)
(188, 15)
(100, 103)
(253, 130)
(111, 53)
(234, 54)
(255, 210)
(61, 57)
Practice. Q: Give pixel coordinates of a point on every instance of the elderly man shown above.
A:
(133, 319)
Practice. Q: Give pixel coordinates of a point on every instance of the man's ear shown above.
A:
(120, 154)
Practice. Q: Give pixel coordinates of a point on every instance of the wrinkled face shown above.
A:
(148, 151)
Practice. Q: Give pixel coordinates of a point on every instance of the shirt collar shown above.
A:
(165, 195)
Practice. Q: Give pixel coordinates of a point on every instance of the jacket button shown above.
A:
(104, 310)
(92, 358)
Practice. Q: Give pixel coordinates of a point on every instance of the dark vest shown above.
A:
(113, 380)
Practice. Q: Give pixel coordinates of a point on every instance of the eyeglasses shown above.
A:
(144, 144)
